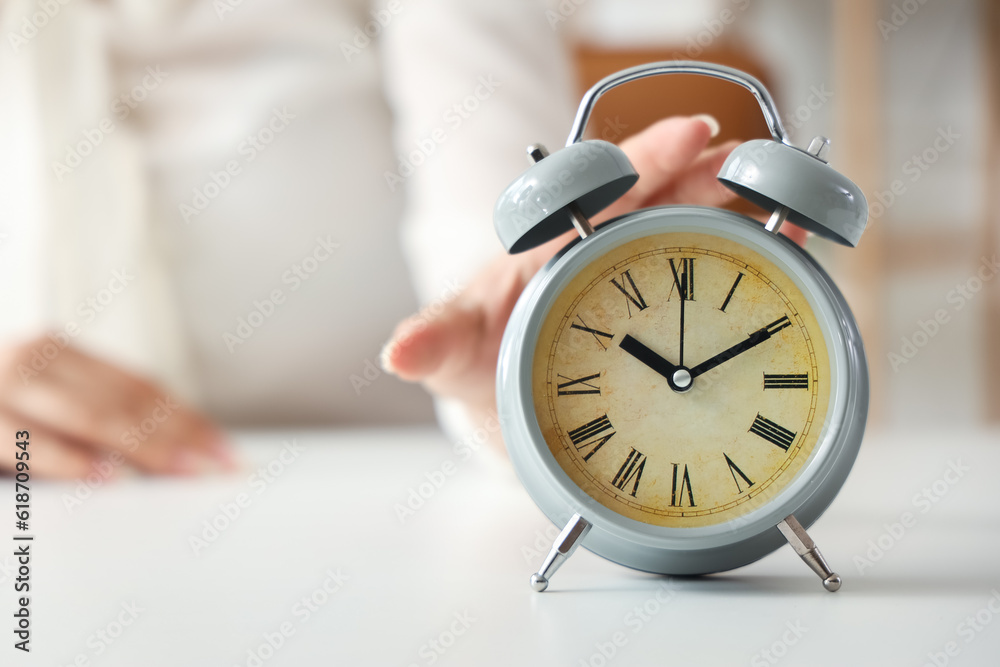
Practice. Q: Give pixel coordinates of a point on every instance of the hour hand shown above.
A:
(677, 377)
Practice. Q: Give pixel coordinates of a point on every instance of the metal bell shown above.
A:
(561, 191)
(816, 197)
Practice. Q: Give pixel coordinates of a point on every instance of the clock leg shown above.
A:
(564, 546)
(809, 552)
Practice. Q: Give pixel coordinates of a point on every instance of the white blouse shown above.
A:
(221, 195)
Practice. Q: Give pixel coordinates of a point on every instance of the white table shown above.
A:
(448, 586)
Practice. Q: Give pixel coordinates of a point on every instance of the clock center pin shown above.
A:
(681, 380)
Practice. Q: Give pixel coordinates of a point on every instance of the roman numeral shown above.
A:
(773, 433)
(677, 492)
(623, 287)
(800, 381)
(683, 279)
(732, 289)
(596, 333)
(734, 470)
(777, 325)
(632, 469)
(564, 389)
(591, 435)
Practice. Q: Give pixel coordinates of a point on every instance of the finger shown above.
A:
(96, 423)
(453, 349)
(452, 354)
(699, 184)
(81, 400)
(447, 339)
(426, 343)
(660, 153)
(48, 453)
(151, 408)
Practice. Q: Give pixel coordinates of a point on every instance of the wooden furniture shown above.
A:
(990, 239)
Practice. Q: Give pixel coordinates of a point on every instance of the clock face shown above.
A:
(681, 380)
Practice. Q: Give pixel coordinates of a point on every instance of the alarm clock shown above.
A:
(682, 388)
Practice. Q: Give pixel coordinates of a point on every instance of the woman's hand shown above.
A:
(454, 352)
(86, 416)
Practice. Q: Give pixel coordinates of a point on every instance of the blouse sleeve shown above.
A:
(471, 85)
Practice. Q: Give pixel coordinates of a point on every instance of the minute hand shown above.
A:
(753, 340)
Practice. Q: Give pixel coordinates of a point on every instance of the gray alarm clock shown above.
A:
(682, 388)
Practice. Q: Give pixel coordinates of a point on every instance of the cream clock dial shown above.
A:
(681, 380)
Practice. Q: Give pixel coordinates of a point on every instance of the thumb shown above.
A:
(429, 343)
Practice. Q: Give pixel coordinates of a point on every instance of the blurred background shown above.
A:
(907, 91)
(240, 199)
(220, 152)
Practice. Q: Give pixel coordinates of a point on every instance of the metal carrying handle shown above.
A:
(678, 67)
